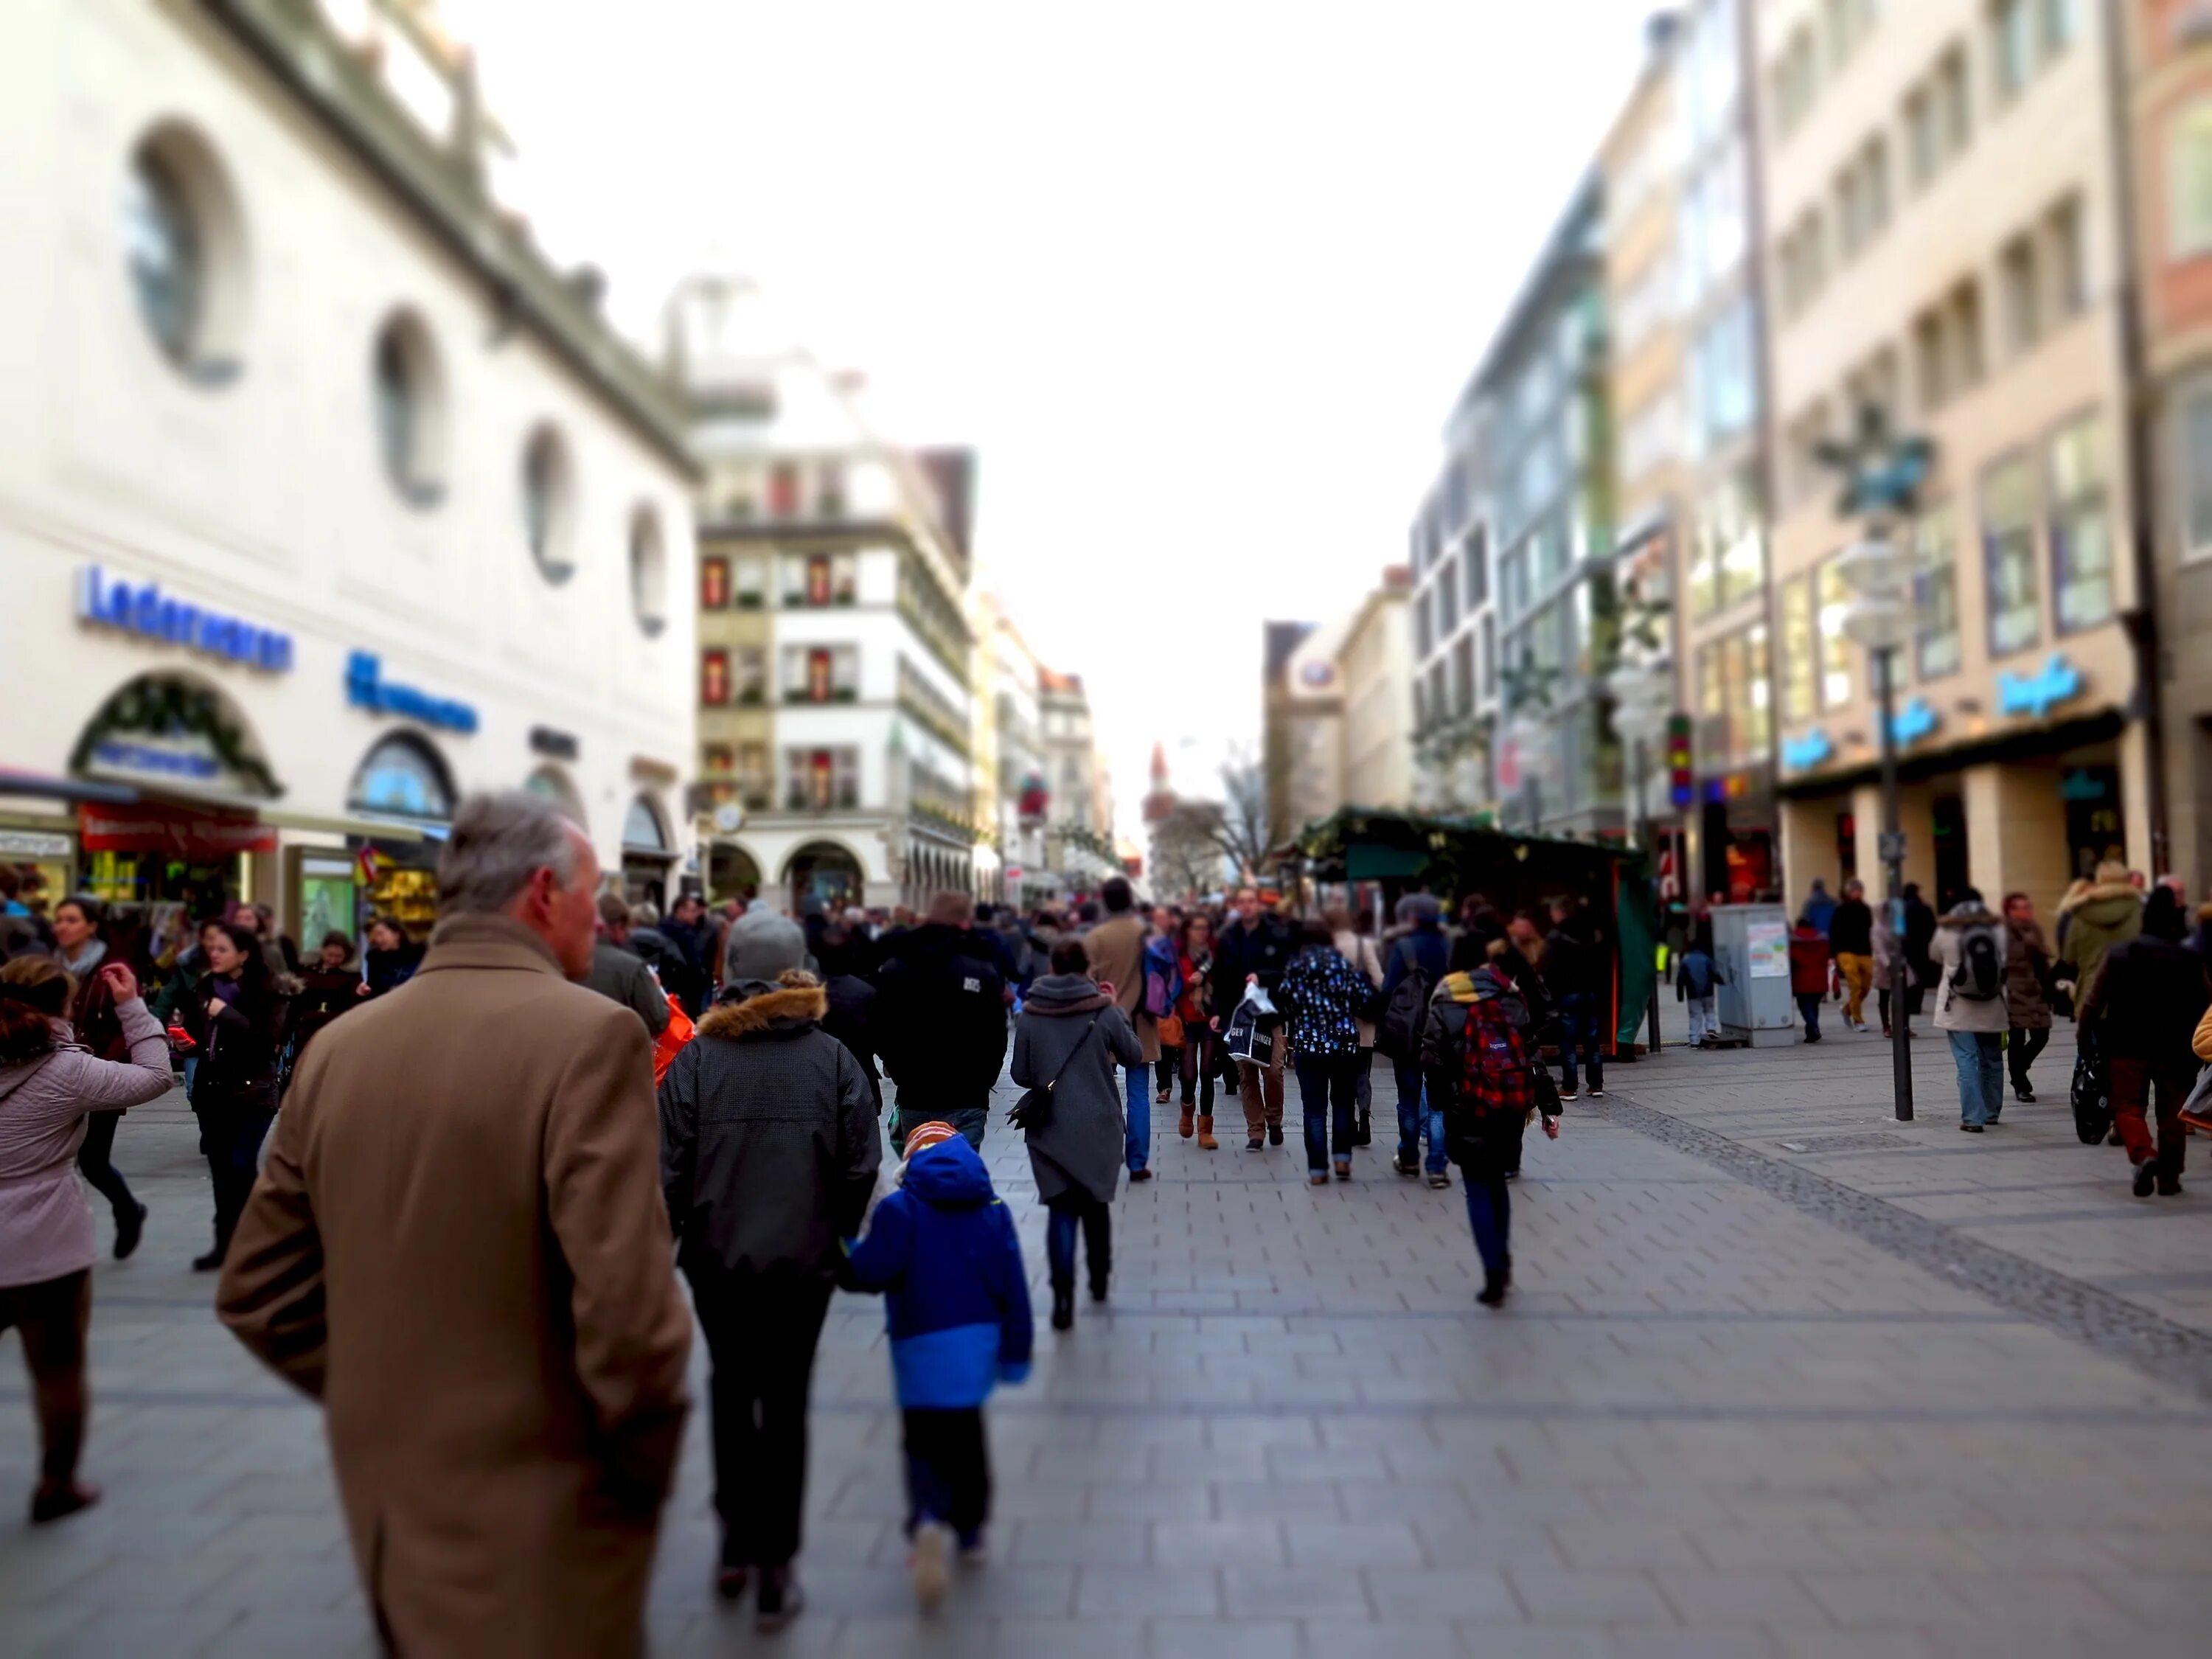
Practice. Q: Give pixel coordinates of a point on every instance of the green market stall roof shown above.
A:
(1360, 844)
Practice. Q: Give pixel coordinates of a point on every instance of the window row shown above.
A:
(1816, 51)
(806, 674)
(784, 489)
(185, 250)
(815, 778)
(804, 580)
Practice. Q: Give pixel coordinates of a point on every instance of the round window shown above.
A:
(648, 572)
(410, 409)
(183, 248)
(547, 508)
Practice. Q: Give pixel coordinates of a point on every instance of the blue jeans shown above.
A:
(1138, 1139)
(1808, 1003)
(1412, 1106)
(1578, 1030)
(1062, 1220)
(1327, 1084)
(1433, 1117)
(1980, 1061)
(1490, 1214)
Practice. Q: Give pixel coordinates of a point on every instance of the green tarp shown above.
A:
(1636, 920)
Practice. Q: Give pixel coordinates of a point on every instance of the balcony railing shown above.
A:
(845, 798)
(801, 694)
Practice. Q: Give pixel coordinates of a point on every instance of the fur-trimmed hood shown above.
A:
(1968, 915)
(2102, 893)
(754, 1007)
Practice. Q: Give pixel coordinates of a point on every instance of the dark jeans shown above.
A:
(50, 1317)
(1066, 1213)
(1164, 1070)
(1484, 1164)
(94, 1161)
(948, 1470)
(1578, 1030)
(1408, 1075)
(1201, 1057)
(1328, 1086)
(1808, 1005)
(231, 1138)
(2022, 1044)
(760, 1331)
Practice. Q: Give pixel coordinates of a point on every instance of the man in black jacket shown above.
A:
(1850, 942)
(941, 1021)
(1920, 945)
(2143, 1003)
(1254, 947)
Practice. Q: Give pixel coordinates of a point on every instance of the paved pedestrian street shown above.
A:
(1781, 1378)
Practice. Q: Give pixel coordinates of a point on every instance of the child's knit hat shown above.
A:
(926, 1135)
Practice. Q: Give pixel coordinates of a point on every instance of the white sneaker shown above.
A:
(933, 1547)
(1569, 1094)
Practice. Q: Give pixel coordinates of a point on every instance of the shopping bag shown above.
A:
(2092, 1097)
(2197, 1111)
(677, 1032)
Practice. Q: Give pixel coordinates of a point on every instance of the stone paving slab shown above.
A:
(1712, 1422)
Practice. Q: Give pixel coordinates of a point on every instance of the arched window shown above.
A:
(402, 777)
(410, 408)
(550, 783)
(648, 572)
(549, 505)
(184, 244)
(642, 827)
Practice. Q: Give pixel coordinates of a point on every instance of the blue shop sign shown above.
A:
(366, 688)
(2060, 682)
(1802, 754)
(142, 608)
(1916, 720)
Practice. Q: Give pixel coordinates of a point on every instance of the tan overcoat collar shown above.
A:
(488, 941)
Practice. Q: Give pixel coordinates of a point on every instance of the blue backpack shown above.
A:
(1162, 977)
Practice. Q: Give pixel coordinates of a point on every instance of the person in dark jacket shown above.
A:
(1069, 1039)
(1696, 975)
(769, 1155)
(2144, 1004)
(1578, 966)
(1850, 942)
(391, 960)
(686, 927)
(619, 974)
(1423, 955)
(1255, 949)
(2027, 1002)
(1919, 943)
(1485, 1098)
(941, 1021)
(843, 956)
(944, 1251)
(235, 1018)
(329, 986)
(1324, 996)
(1808, 972)
(1821, 907)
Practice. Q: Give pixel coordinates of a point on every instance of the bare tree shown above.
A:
(1186, 858)
(1243, 826)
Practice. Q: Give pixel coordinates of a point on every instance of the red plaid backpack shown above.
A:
(1496, 1082)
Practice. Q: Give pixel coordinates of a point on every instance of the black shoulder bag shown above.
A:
(1034, 1109)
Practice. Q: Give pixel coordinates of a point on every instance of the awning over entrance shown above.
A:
(178, 831)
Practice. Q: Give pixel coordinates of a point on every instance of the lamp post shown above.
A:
(1882, 476)
(1642, 693)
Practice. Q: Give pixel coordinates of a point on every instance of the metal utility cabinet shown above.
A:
(1751, 943)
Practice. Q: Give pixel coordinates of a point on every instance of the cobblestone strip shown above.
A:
(2160, 1349)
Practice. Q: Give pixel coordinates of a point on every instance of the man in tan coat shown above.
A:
(1117, 958)
(459, 1245)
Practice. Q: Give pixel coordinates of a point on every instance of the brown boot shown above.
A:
(1207, 1143)
(1184, 1128)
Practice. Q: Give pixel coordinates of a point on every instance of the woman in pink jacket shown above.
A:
(49, 1084)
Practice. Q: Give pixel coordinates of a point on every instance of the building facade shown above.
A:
(325, 497)
(1301, 756)
(1943, 193)
(1376, 663)
(1452, 626)
(836, 672)
(1078, 826)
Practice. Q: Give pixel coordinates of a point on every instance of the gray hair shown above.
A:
(644, 915)
(496, 844)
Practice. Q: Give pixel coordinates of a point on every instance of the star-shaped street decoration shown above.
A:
(1528, 685)
(1882, 473)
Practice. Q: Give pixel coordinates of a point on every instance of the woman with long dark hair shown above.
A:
(235, 1017)
(82, 949)
(1202, 1043)
(391, 959)
(50, 1087)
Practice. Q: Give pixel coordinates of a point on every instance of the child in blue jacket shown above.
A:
(944, 1251)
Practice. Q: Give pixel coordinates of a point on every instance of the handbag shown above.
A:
(673, 1036)
(1034, 1109)
(2197, 1111)
(1170, 1029)
(2092, 1097)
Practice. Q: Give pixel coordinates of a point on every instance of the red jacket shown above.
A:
(1808, 962)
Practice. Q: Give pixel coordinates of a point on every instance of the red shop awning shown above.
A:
(184, 832)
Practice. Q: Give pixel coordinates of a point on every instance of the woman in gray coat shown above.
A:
(1070, 1038)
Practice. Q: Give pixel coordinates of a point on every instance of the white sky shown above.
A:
(1199, 280)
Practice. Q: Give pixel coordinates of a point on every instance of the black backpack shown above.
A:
(1398, 1033)
(1979, 976)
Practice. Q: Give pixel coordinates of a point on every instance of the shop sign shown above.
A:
(1916, 720)
(366, 687)
(34, 844)
(556, 745)
(1802, 754)
(181, 831)
(2036, 694)
(166, 730)
(144, 609)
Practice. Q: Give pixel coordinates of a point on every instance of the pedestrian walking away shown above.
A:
(1356, 947)
(768, 1154)
(1117, 948)
(459, 1246)
(1254, 950)
(1808, 973)
(1851, 941)
(1893, 975)
(2027, 992)
(1577, 967)
(940, 1020)
(1918, 944)
(1419, 958)
(1475, 1057)
(943, 1251)
(1820, 907)
(1164, 982)
(235, 1018)
(619, 974)
(1324, 996)
(1696, 977)
(1969, 969)
(2145, 1005)
(51, 1087)
(1069, 1039)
